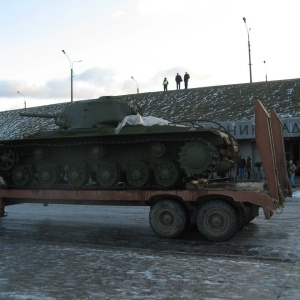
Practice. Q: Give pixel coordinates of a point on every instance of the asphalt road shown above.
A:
(102, 252)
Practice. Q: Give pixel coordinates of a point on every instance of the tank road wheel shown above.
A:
(157, 149)
(168, 219)
(137, 174)
(166, 173)
(96, 151)
(48, 175)
(8, 159)
(107, 174)
(39, 153)
(21, 175)
(217, 221)
(77, 175)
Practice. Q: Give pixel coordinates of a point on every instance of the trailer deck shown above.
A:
(251, 192)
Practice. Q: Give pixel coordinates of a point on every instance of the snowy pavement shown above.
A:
(296, 194)
(101, 252)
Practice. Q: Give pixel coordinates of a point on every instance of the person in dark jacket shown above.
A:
(186, 78)
(241, 166)
(248, 167)
(178, 79)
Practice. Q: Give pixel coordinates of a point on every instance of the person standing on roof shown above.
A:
(186, 78)
(165, 84)
(178, 79)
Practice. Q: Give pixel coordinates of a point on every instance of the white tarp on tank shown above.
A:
(140, 120)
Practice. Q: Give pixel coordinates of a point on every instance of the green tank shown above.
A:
(107, 143)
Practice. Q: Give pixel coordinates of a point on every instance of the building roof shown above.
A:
(218, 103)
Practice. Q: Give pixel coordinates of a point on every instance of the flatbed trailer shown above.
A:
(219, 209)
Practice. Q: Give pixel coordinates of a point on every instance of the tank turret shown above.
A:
(103, 112)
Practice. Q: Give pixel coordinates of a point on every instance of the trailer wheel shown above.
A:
(168, 219)
(247, 214)
(217, 221)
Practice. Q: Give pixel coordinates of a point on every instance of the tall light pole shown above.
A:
(137, 87)
(23, 97)
(266, 70)
(249, 51)
(71, 67)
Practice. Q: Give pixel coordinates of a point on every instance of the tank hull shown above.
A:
(137, 157)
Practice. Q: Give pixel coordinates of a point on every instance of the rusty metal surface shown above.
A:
(280, 153)
(137, 197)
(265, 144)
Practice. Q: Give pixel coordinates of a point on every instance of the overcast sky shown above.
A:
(146, 39)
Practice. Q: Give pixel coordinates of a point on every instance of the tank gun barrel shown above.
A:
(37, 115)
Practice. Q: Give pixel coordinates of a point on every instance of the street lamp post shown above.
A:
(23, 97)
(249, 51)
(266, 70)
(137, 87)
(71, 67)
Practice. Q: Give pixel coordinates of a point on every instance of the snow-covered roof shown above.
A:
(218, 103)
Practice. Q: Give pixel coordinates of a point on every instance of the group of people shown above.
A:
(244, 165)
(178, 80)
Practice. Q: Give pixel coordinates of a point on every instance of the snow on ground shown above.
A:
(296, 194)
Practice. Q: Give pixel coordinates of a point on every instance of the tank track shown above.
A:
(25, 171)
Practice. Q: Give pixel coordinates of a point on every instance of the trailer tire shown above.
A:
(168, 219)
(247, 214)
(217, 221)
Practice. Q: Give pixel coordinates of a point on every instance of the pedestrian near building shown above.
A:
(248, 167)
(241, 167)
(292, 171)
(178, 79)
(165, 84)
(186, 78)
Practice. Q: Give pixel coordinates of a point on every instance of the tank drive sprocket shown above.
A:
(8, 159)
(198, 157)
(21, 175)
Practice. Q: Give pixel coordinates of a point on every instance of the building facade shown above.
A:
(244, 132)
